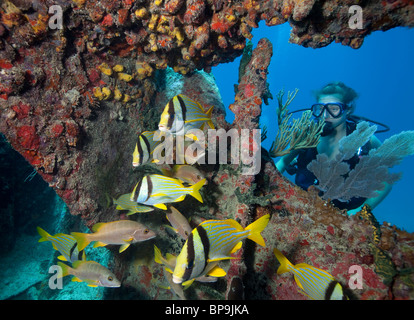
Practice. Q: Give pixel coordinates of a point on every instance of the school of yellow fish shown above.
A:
(205, 246)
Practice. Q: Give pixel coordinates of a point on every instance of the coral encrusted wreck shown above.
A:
(74, 98)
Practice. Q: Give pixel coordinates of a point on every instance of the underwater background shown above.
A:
(381, 71)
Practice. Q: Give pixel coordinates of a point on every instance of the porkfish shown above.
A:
(212, 241)
(169, 264)
(65, 244)
(124, 203)
(156, 190)
(315, 283)
(145, 147)
(182, 114)
(122, 232)
(91, 272)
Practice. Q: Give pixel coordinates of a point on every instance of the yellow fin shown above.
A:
(187, 283)
(236, 247)
(124, 247)
(284, 262)
(169, 270)
(217, 272)
(75, 279)
(65, 269)
(209, 113)
(62, 258)
(97, 226)
(195, 190)
(160, 206)
(44, 235)
(157, 255)
(256, 228)
(82, 239)
(99, 244)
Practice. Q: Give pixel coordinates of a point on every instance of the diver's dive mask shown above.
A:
(335, 109)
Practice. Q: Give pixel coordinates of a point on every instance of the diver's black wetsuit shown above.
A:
(305, 178)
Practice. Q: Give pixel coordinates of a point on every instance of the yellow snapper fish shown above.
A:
(315, 283)
(181, 114)
(145, 147)
(179, 223)
(65, 244)
(124, 203)
(91, 272)
(122, 232)
(185, 173)
(156, 190)
(212, 241)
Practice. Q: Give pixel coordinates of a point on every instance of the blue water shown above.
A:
(381, 71)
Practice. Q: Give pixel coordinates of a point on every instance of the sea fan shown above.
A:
(337, 181)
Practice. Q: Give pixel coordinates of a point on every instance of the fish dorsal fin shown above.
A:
(97, 226)
(217, 272)
(234, 224)
(99, 244)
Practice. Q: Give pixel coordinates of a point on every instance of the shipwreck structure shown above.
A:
(79, 82)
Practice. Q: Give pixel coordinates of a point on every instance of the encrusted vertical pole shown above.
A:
(247, 110)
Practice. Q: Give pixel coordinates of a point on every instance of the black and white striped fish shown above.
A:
(182, 114)
(212, 241)
(144, 147)
(315, 283)
(155, 190)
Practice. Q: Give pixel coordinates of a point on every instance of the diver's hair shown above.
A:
(338, 88)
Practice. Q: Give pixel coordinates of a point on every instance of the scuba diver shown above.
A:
(336, 103)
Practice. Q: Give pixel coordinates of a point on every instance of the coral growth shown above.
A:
(64, 107)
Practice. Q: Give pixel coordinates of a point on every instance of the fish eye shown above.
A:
(190, 264)
(110, 278)
(198, 177)
(146, 231)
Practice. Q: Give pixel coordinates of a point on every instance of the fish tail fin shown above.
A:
(195, 190)
(82, 239)
(65, 269)
(209, 113)
(284, 262)
(44, 235)
(157, 255)
(256, 228)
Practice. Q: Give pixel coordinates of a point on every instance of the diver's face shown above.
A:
(332, 123)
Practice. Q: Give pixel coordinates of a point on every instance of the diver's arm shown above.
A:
(286, 160)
